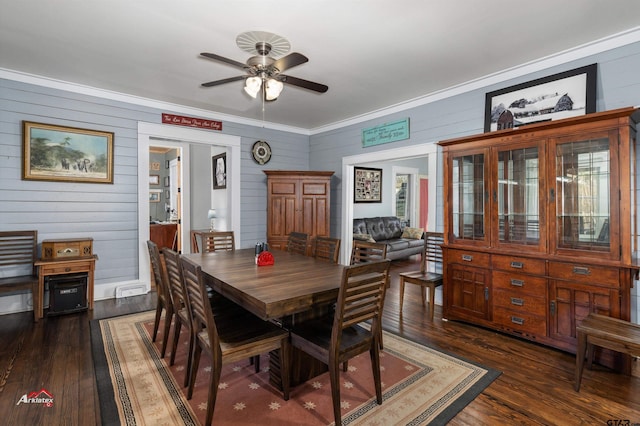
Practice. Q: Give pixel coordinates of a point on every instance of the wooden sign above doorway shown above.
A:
(181, 120)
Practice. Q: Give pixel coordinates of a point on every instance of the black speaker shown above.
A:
(67, 293)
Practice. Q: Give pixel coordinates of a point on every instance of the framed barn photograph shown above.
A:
(68, 154)
(563, 95)
(367, 185)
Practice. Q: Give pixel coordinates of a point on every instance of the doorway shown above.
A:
(428, 150)
(150, 134)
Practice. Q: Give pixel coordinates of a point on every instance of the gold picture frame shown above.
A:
(67, 154)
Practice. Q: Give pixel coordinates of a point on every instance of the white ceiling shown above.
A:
(372, 54)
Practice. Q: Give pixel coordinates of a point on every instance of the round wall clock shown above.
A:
(261, 152)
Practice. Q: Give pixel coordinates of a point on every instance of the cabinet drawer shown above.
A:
(66, 269)
(520, 303)
(585, 273)
(519, 282)
(466, 257)
(518, 264)
(520, 321)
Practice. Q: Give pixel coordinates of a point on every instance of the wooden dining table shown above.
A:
(294, 288)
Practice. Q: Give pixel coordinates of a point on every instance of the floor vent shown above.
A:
(130, 290)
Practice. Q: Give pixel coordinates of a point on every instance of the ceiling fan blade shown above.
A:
(305, 84)
(223, 81)
(223, 59)
(291, 60)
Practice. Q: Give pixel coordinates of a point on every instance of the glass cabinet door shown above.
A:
(517, 197)
(468, 198)
(585, 199)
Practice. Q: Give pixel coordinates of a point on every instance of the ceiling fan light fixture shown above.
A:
(252, 86)
(273, 88)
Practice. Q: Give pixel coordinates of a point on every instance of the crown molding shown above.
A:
(138, 100)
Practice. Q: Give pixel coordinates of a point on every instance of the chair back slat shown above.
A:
(174, 278)
(18, 253)
(432, 252)
(365, 251)
(218, 241)
(196, 293)
(361, 297)
(159, 272)
(298, 243)
(326, 248)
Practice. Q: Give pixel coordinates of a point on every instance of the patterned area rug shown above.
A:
(136, 386)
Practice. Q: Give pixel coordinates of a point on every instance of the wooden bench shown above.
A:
(18, 252)
(606, 332)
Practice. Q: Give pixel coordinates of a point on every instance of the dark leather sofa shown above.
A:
(388, 230)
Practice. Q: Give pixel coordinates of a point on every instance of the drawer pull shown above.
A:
(516, 320)
(581, 270)
(517, 265)
(467, 257)
(517, 283)
(517, 301)
(67, 269)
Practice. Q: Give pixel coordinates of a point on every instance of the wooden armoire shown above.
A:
(297, 201)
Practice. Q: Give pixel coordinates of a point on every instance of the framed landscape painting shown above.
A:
(68, 154)
(563, 95)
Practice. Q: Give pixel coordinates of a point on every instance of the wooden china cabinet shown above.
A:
(297, 201)
(541, 227)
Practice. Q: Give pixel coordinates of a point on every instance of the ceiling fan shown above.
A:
(264, 72)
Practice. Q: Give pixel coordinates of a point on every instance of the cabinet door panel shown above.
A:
(571, 302)
(585, 195)
(282, 218)
(468, 291)
(468, 197)
(518, 197)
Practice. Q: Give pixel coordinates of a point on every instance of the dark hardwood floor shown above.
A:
(536, 385)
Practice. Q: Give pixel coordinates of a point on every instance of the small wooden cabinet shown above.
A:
(540, 225)
(163, 234)
(297, 201)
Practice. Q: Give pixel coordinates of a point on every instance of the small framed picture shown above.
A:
(166, 181)
(367, 185)
(154, 180)
(219, 171)
(154, 195)
(166, 164)
(167, 193)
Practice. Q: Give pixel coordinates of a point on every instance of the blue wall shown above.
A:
(108, 213)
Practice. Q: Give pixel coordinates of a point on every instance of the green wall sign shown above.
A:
(388, 132)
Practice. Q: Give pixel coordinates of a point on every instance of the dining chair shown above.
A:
(335, 339)
(428, 275)
(298, 243)
(218, 241)
(365, 251)
(164, 296)
(181, 313)
(326, 248)
(228, 336)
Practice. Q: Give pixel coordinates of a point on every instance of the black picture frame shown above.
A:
(563, 95)
(367, 185)
(167, 181)
(219, 167)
